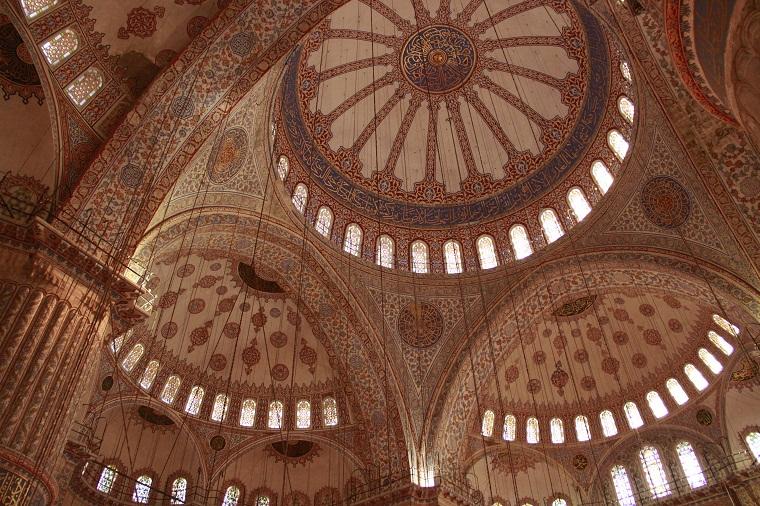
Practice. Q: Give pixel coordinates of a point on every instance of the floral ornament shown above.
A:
(560, 378)
(308, 356)
(141, 22)
(251, 356)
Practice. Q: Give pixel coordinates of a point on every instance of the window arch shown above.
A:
(578, 203)
(617, 144)
(194, 400)
(676, 391)
(35, 8)
(518, 235)
(330, 412)
(452, 254)
(510, 428)
(262, 500)
(283, 167)
(607, 421)
(134, 355)
(654, 472)
(275, 415)
(626, 108)
(300, 196)
(303, 414)
(324, 221)
(487, 252)
(532, 433)
(625, 69)
(724, 346)
(632, 415)
(710, 361)
(557, 429)
(60, 46)
(622, 485)
(107, 479)
(602, 176)
(690, 465)
(171, 387)
(84, 87)
(352, 241)
(231, 496)
(179, 490)
(420, 257)
(219, 411)
(695, 376)
(248, 413)
(551, 225)
(486, 426)
(582, 429)
(656, 405)
(385, 251)
(753, 443)
(559, 502)
(726, 325)
(141, 492)
(116, 344)
(149, 375)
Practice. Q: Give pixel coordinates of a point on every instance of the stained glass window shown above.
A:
(219, 411)
(656, 405)
(231, 496)
(486, 427)
(142, 489)
(617, 144)
(487, 252)
(676, 391)
(420, 260)
(275, 415)
(263, 500)
(578, 203)
(324, 221)
(60, 46)
(654, 472)
(329, 412)
(452, 253)
(194, 400)
(385, 251)
(692, 469)
(510, 428)
(753, 443)
(149, 375)
(179, 491)
(300, 195)
(283, 167)
(130, 361)
(171, 387)
(107, 477)
(559, 502)
(582, 429)
(248, 413)
(84, 87)
(352, 242)
(117, 343)
(632, 415)
(622, 484)
(34, 8)
(607, 420)
(520, 242)
(726, 325)
(550, 224)
(710, 361)
(602, 176)
(625, 69)
(532, 434)
(303, 414)
(557, 430)
(695, 376)
(626, 108)
(724, 346)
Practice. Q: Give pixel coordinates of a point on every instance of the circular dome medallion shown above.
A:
(665, 202)
(438, 59)
(420, 324)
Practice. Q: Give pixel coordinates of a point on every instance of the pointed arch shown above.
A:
(385, 251)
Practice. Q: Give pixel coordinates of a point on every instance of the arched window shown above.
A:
(710, 361)
(385, 251)
(324, 221)
(275, 415)
(578, 203)
(262, 500)
(607, 421)
(219, 411)
(194, 400)
(116, 344)
(84, 87)
(420, 260)
(617, 144)
(626, 108)
(329, 412)
(34, 8)
(60, 46)
(300, 195)
(557, 430)
(550, 224)
(486, 427)
(753, 443)
(303, 414)
(582, 429)
(487, 252)
(654, 472)
(142, 489)
(625, 69)
(171, 387)
(532, 433)
(510, 428)
(695, 376)
(149, 375)
(602, 176)
(676, 391)
(130, 361)
(724, 346)
(559, 502)
(518, 235)
(283, 167)
(622, 485)
(107, 477)
(231, 496)
(726, 325)
(452, 254)
(656, 405)
(690, 465)
(352, 241)
(179, 491)
(632, 415)
(248, 413)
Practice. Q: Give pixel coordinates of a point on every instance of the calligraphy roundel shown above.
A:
(438, 59)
